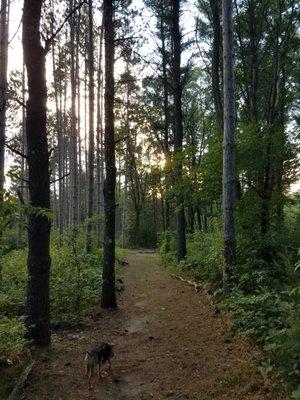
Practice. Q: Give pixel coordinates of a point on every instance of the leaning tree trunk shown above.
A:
(108, 277)
(228, 144)
(91, 156)
(178, 129)
(38, 306)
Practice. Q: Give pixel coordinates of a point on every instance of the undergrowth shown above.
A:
(265, 296)
(75, 284)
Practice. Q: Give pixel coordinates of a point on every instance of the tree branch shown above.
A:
(16, 151)
(60, 178)
(50, 39)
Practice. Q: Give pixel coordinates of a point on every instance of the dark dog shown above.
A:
(120, 285)
(98, 356)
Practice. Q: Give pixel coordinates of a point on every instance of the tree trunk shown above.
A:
(58, 126)
(3, 87)
(108, 276)
(166, 115)
(91, 156)
(228, 144)
(73, 148)
(178, 129)
(217, 46)
(99, 137)
(38, 306)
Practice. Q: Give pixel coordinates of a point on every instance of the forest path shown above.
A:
(169, 344)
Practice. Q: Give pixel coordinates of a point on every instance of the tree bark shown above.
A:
(99, 139)
(166, 114)
(38, 306)
(178, 129)
(91, 155)
(228, 144)
(108, 299)
(73, 142)
(3, 87)
(217, 46)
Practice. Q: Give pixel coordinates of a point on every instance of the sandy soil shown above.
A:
(169, 344)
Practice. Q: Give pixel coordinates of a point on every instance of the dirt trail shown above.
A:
(169, 344)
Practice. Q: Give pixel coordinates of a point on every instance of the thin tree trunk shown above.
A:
(91, 156)
(73, 142)
(99, 134)
(166, 116)
(23, 164)
(228, 144)
(58, 126)
(38, 305)
(108, 283)
(3, 87)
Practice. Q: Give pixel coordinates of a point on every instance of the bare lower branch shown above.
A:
(19, 102)
(16, 151)
(60, 178)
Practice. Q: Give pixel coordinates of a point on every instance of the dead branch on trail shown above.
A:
(197, 287)
(192, 283)
(21, 382)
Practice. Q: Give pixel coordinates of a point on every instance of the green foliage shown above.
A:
(12, 341)
(75, 284)
(75, 281)
(205, 254)
(296, 394)
(265, 296)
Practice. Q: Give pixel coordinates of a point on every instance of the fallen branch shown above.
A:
(198, 287)
(20, 382)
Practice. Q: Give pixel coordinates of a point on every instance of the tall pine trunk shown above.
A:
(178, 129)
(38, 306)
(73, 210)
(91, 156)
(3, 87)
(228, 144)
(108, 276)
(215, 68)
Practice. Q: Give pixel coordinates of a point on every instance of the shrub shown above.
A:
(12, 341)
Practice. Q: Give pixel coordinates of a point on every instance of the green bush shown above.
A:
(12, 341)
(205, 255)
(265, 298)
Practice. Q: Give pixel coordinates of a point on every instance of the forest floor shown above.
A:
(169, 344)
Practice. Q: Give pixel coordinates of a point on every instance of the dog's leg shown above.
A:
(109, 365)
(90, 379)
(99, 372)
